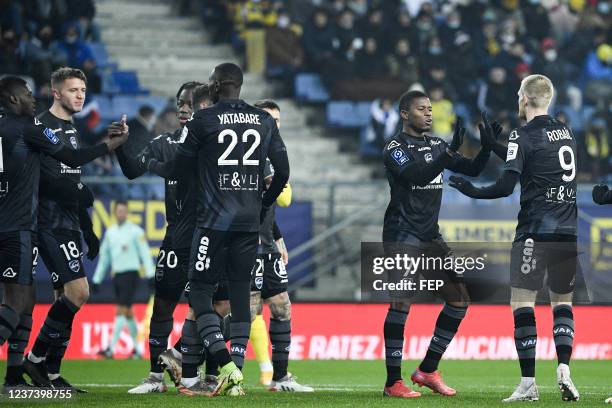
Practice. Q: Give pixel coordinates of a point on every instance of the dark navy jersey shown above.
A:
(231, 141)
(267, 245)
(544, 153)
(51, 214)
(180, 195)
(21, 141)
(415, 171)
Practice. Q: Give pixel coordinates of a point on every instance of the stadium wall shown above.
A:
(354, 331)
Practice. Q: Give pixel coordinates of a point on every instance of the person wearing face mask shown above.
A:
(283, 47)
(42, 55)
(547, 63)
(536, 19)
(75, 50)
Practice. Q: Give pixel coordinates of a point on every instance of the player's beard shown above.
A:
(68, 108)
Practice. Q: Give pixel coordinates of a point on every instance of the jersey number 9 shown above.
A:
(565, 165)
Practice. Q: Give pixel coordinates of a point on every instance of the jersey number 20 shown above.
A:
(246, 159)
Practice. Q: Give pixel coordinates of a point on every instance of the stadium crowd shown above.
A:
(468, 55)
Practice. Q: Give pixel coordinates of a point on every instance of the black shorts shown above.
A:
(18, 257)
(269, 275)
(536, 255)
(171, 273)
(62, 252)
(217, 256)
(221, 294)
(125, 285)
(435, 251)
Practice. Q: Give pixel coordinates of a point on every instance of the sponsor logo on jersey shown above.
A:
(74, 265)
(424, 148)
(512, 151)
(435, 142)
(513, 135)
(428, 157)
(70, 131)
(9, 273)
(51, 136)
(238, 182)
(73, 141)
(529, 261)
(399, 156)
(37, 122)
(393, 144)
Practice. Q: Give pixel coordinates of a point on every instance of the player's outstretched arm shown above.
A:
(490, 133)
(602, 194)
(502, 188)
(470, 167)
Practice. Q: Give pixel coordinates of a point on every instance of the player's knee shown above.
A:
(163, 309)
(280, 306)
(190, 314)
(222, 307)
(77, 291)
(557, 299)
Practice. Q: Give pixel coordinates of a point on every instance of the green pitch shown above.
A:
(337, 383)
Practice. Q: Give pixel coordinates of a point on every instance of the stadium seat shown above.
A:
(127, 82)
(366, 147)
(347, 114)
(310, 88)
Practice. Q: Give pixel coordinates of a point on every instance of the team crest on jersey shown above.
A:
(394, 143)
(9, 273)
(428, 157)
(74, 265)
(512, 151)
(73, 141)
(399, 156)
(51, 136)
(513, 135)
(54, 277)
(259, 282)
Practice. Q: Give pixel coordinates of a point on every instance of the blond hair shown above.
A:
(538, 89)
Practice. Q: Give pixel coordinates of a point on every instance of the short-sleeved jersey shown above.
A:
(412, 208)
(231, 141)
(266, 230)
(51, 214)
(544, 153)
(21, 141)
(180, 195)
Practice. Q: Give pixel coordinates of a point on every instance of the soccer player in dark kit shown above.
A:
(228, 143)
(542, 155)
(22, 139)
(415, 163)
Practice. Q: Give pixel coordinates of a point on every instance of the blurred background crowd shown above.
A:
(352, 59)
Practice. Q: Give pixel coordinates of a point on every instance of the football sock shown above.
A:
(563, 332)
(259, 341)
(192, 348)
(280, 336)
(394, 344)
(447, 324)
(159, 330)
(525, 339)
(16, 346)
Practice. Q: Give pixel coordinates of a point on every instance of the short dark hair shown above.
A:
(267, 104)
(200, 94)
(227, 73)
(61, 74)
(119, 202)
(146, 110)
(187, 85)
(8, 86)
(407, 98)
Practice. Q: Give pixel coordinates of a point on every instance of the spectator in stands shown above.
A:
(402, 65)
(374, 27)
(318, 41)
(510, 58)
(536, 20)
(495, 96)
(597, 140)
(562, 21)
(433, 56)
(450, 28)
(425, 30)
(10, 17)
(42, 55)
(599, 64)
(367, 61)
(346, 40)
(437, 77)
(75, 51)
(547, 63)
(464, 66)
(167, 121)
(488, 45)
(83, 12)
(383, 124)
(94, 81)
(402, 27)
(141, 130)
(284, 50)
(11, 60)
(442, 112)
